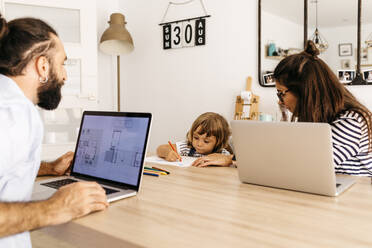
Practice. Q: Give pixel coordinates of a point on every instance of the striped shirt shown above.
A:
(350, 145)
(184, 150)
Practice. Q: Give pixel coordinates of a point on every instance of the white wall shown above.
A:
(177, 85)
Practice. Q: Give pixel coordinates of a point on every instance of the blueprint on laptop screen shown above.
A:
(111, 147)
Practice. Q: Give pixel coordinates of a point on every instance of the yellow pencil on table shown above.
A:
(174, 149)
(157, 168)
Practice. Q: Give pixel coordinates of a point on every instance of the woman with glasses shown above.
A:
(308, 88)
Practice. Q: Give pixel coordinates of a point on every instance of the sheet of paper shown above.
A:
(186, 161)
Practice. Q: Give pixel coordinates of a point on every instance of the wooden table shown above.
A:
(209, 207)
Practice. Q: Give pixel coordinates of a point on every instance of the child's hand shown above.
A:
(213, 159)
(172, 156)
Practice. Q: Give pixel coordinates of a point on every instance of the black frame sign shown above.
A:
(184, 33)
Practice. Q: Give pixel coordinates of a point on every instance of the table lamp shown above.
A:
(116, 40)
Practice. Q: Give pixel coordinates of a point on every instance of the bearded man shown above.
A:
(32, 73)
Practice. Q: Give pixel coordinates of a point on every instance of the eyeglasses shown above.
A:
(281, 94)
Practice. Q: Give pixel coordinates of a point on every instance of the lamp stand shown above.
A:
(118, 82)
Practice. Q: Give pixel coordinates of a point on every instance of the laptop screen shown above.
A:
(112, 147)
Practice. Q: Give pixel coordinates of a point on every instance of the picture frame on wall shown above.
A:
(345, 49)
(346, 76)
(345, 64)
(367, 74)
(268, 79)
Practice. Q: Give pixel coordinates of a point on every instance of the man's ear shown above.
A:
(42, 66)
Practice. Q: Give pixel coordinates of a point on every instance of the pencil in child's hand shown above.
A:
(179, 157)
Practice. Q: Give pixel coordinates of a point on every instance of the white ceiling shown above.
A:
(331, 13)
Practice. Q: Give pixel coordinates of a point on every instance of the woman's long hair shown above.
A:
(320, 95)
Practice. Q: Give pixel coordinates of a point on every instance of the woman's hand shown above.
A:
(217, 159)
(283, 110)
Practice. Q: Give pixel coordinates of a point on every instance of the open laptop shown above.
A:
(110, 150)
(295, 156)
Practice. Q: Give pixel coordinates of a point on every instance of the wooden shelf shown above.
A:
(275, 57)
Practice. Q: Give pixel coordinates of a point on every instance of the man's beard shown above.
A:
(49, 93)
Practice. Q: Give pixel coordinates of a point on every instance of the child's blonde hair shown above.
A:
(212, 124)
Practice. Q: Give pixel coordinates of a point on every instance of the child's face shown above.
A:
(202, 143)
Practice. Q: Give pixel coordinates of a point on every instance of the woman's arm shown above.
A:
(345, 140)
(350, 146)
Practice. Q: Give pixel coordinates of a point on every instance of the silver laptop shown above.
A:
(110, 150)
(295, 156)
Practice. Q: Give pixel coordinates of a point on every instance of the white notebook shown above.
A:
(186, 161)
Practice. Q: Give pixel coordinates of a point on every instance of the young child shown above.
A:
(207, 139)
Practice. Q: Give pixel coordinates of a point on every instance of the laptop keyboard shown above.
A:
(59, 183)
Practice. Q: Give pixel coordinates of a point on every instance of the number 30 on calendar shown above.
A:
(184, 34)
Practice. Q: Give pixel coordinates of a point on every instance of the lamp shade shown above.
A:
(116, 39)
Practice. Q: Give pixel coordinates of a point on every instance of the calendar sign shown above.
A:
(185, 33)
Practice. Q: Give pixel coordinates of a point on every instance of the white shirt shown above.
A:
(21, 133)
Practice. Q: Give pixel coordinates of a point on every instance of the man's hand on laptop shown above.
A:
(76, 200)
(58, 167)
